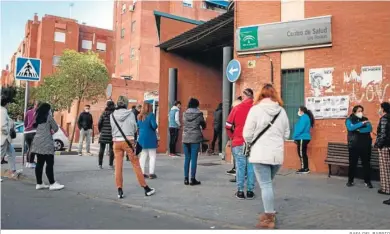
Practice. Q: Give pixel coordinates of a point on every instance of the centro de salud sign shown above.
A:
(284, 36)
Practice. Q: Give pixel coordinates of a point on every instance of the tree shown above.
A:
(84, 77)
(55, 92)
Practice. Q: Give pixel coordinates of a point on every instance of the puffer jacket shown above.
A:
(269, 148)
(193, 122)
(104, 126)
(383, 132)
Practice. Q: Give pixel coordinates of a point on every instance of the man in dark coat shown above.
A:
(105, 138)
(217, 129)
(85, 124)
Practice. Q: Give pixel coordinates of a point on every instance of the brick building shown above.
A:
(135, 36)
(320, 50)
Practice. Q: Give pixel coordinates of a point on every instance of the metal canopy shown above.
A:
(211, 35)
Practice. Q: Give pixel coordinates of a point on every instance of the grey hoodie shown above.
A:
(126, 121)
(193, 121)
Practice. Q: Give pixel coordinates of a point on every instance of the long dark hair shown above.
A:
(309, 113)
(41, 114)
(110, 106)
(193, 103)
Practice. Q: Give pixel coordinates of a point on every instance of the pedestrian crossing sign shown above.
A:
(28, 69)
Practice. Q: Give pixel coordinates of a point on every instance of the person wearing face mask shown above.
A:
(302, 137)
(359, 145)
(85, 124)
(383, 145)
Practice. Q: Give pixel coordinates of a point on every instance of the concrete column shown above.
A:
(226, 94)
(172, 95)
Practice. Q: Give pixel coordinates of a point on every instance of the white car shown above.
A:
(61, 140)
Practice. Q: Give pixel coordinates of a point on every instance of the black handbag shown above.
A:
(248, 146)
(138, 147)
(12, 133)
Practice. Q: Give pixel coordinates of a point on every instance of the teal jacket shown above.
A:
(302, 128)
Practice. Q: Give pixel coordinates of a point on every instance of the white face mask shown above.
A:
(300, 113)
(359, 115)
(87, 110)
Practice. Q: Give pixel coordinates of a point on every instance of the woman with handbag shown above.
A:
(124, 127)
(266, 128)
(147, 126)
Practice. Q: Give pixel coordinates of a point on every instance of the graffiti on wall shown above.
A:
(321, 81)
(367, 86)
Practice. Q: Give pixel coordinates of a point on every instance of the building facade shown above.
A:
(327, 55)
(135, 35)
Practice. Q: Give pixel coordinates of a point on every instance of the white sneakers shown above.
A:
(30, 165)
(56, 186)
(52, 187)
(41, 186)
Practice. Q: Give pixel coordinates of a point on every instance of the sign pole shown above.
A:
(26, 97)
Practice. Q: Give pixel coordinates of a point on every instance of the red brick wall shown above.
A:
(194, 80)
(359, 39)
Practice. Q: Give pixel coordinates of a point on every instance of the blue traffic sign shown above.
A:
(233, 70)
(28, 69)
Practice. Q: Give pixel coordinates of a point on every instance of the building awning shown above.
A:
(223, 4)
(159, 14)
(215, 33)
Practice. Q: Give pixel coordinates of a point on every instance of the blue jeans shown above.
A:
(191, 155)
(265, 174)
(243, 165)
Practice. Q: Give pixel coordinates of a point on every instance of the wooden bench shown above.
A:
(338, 155)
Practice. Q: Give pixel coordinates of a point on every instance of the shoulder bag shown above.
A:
(138, 147)
(248, 146)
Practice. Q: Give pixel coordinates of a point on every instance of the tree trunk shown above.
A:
(74, 126)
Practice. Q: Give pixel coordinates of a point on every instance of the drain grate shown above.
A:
(208, 164)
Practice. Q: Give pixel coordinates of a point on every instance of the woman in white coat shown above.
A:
(267, 153)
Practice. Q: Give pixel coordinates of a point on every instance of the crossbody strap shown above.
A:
(123, 134)
(265, 129)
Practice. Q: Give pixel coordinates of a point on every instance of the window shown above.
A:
(187, 3)
(120, 58)
(132, 53)
(59, 37)
(293, 88)
(123, 33)
(133, 26)
(204, 5)
(85, 44)
(123, 8)
(56, 60)
(101, 46)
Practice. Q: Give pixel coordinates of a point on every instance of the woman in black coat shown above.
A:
(105, 138)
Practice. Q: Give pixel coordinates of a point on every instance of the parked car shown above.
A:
(61, 140)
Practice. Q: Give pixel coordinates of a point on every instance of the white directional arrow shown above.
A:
(232, 70)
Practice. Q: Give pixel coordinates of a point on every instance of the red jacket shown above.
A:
(236, 121)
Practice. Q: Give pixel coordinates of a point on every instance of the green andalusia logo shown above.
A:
(248, 38)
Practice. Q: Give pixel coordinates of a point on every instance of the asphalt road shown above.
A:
(23, 207)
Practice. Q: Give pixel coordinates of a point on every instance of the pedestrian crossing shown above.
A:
(94, 148)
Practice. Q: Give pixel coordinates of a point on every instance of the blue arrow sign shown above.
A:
(28, 69)
(233, 70)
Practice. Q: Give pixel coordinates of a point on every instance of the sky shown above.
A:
(14, 15)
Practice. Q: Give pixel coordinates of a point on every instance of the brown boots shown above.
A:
(266, 221)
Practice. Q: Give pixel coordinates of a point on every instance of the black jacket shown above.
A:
(85, 121)
(218, 119)
(136, 113)
(104, 127)
(383, 132)
(356, 138)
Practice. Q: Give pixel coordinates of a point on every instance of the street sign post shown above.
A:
(109, 91)
(233, 70)
(27, 69)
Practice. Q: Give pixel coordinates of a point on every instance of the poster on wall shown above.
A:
(328, 107)
(321, 81)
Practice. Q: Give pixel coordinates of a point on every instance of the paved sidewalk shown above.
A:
(302, 201)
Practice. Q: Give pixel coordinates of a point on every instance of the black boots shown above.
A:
(120, 193)
(192, 183)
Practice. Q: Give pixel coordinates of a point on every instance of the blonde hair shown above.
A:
(146, 109)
